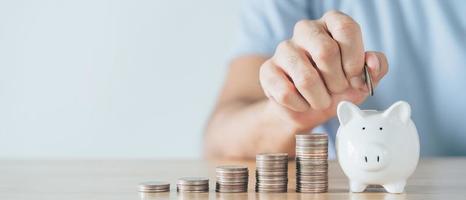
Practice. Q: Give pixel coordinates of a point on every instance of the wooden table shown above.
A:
(439, 178)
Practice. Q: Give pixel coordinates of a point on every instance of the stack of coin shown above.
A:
(312, 163)
(272, 172)
(231, 178)
(154, 186)
(193, 184)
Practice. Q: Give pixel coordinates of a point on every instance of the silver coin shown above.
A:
(231, 190)
(154, 185)
(300, 165)
(277, 178)
(285, 189)
(311, 159)
(311, 142)
(229, 181)
(272, 169)
(283, 161)
(272, 156)
(231, 173)
(283, 186)
(312, 190)
(311, 136)
(265, 184)
(271, 164)
(314, 144)
(280, 173)
(193, 181)
(194, 187)
(315, 179)
(281, 190)
(368, 79)
(314, 172)
(232, 178)
(155, 191)
(231, 186)
(231, 169)
(312, 148)
(311, 153)
(193, 191)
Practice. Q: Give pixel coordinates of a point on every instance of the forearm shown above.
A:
(243, 129)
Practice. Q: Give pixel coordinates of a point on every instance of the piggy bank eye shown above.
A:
(363, 128)
(380, 128)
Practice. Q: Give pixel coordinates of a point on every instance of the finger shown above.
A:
(348, 35)
(378, 65)
(324, 51)
(277, 86)
(305, 77)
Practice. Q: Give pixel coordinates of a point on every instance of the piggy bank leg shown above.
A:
(357, 186)
(397, 187)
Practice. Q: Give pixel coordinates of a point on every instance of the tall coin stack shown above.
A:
(272, 172)
(312, 163)
(231, 178)
(193, 184)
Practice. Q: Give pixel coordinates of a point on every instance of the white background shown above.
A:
(110, 78)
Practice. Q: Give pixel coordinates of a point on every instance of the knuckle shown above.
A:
(264, 69)
(285, 45)
(286, 55)
(284, 95)
(292, 60)
(309, 28)
(300, 25)
(347, 26)
(316, 29)
(284, 48)
(265, 74)
(326, 51)
(306, 80)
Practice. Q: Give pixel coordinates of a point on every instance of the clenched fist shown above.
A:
(319, 66)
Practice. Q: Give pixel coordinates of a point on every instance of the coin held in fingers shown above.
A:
(368, 80)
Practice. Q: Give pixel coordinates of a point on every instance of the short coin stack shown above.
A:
(312, 163)
(272, 172)
(231, 178)
(193, 184)
(154, 186)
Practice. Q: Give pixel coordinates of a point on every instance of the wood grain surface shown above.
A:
(436, 178)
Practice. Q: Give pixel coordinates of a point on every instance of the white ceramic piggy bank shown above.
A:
(377, 148)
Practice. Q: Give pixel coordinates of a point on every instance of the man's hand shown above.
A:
(318, 67)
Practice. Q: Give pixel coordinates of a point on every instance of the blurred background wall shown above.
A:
(110, 78)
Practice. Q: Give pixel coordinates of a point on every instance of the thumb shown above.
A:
(378, 65)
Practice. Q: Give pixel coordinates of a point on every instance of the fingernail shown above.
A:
(356, 82)
(374, 64)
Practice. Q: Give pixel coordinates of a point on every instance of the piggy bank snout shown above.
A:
(373, 157)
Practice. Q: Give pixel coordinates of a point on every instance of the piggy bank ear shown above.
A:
(347, 111)
(399, 110)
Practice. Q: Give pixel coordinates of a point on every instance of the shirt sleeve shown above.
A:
(264, 23)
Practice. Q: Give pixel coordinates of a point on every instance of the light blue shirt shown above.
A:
(424, 42)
